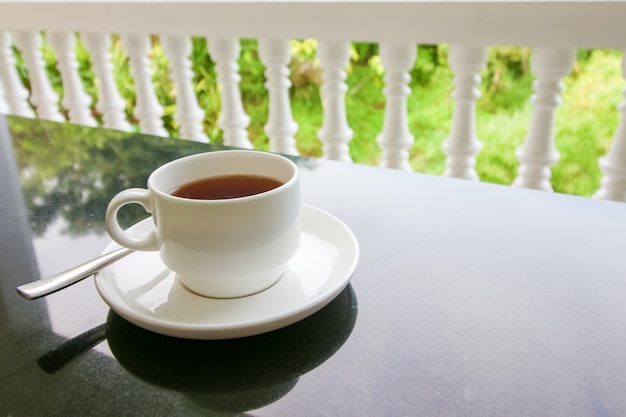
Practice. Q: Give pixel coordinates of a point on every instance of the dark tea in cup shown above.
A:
(226, 186)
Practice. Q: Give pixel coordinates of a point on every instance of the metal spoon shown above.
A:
(43, 287)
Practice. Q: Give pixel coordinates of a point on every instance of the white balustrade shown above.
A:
(75, 99)
(148, 110)
(43, 97)
(233, 119)
(280, 127)
(397, 26)
(110, 103)
(613, 165)
(15, 94)
(462, 146)
(395, 138)
(538, 153)
(188, 113)
(335, 133)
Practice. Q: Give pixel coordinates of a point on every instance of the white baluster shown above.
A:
(147, 109)
(188, 113)
(462, 145)
(335, 133)
(613, 165)
(110, 103)
(395, 138)
(280, 127)
(75, 99)
(538, 152)
(15, 93)
(233, 119)
(43, 96)
(4, 107)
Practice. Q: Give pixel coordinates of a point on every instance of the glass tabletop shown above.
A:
(469, 299)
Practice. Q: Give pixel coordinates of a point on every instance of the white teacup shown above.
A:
(222, 248)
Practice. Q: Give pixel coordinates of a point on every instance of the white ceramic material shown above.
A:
(218, 248)
(143, 291)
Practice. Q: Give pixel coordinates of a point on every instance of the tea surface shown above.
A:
(225, 187)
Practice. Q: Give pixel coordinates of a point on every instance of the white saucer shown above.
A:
(143, 291)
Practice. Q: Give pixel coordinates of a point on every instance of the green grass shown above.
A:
(585, 123)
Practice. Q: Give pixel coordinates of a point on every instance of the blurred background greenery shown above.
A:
(585, 123)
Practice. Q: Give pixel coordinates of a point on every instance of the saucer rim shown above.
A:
(241, 328)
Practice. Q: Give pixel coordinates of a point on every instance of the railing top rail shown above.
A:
(575, 23)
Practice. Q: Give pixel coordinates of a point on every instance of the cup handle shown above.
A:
(130, 196)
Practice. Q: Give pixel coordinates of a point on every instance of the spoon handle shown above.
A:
(43, 287)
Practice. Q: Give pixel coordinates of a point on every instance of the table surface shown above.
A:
(469, 299)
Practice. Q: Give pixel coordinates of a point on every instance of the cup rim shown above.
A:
(168, 196)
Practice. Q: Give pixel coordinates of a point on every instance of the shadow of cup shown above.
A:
(235, 375)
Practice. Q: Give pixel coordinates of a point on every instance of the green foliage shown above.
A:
(584, 127)
(430, 60)
(507, 79)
